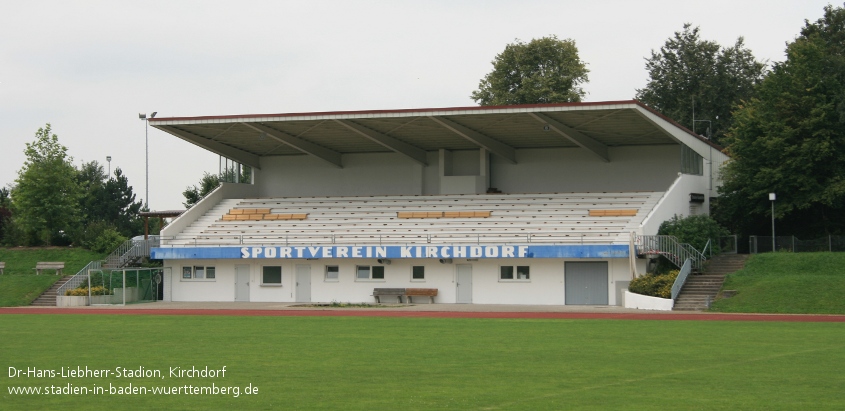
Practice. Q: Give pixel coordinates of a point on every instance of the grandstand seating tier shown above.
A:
(563, 217)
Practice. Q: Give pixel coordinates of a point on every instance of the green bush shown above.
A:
(694, 230)
(100, 237)
(83, 291)
(108, 241)
(655, 285)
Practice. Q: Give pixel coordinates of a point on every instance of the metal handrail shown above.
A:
(380, 239)
(706, 248)
(669, 247)
(79, 278)
(130, 250)
(686, 269)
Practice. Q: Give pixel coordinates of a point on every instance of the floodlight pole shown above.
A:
(772, 198)
(143, 116)
(108, 158)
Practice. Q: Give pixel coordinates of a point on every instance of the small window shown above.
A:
(198, 272)
(366, 272)
(520, 272)
(418, 272)
(271, 275)
(332, 273)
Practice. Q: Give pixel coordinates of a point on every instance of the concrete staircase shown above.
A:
(48, 298)
(701, 289)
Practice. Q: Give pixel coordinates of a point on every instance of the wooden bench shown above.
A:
(613, 213)
(2, 267)
(58, 266)
(257, 214)
(410, 293)
(442, 214)
(382, 292)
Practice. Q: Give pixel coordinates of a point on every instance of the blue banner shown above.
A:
(393, 252)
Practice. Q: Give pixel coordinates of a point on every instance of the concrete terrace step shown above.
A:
(48, 297)
(701, 289)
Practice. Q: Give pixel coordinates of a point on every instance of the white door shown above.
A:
(586, 282)
(241, 283)
(166, 279)
(463, 280)
(303, 283)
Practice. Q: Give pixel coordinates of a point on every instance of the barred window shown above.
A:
(691, 162)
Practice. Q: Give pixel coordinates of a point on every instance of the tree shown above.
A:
(45, 203)
(208, 182)
(689, 73)
(117, 205)
(5, 212)
(545, 70)
(790, 140)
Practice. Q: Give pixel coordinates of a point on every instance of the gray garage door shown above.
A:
(586, 283)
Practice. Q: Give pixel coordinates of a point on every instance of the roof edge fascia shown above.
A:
(362, 114)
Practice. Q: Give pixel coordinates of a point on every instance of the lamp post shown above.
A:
(772, 198)
(143, 116)
(108, 158)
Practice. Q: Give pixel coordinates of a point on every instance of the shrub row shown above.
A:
(83, 291)
(654, 285)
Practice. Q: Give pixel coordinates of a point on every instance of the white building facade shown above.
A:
(493, 205)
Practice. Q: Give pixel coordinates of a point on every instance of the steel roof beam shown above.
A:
(232, 153)
(500, 149)
(330, 156)
(575, 136)
(391, 143)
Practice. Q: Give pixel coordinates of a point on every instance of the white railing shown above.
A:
(131, 250)
(80, 278)
(669, 247)
(686, 269)
(392, 239)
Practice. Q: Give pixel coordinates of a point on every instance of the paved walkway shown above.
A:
(416, 310)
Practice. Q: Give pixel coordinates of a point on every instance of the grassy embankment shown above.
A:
(796, 283)
(20, 285)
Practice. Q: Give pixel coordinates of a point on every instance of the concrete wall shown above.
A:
(651, 168)
(362, 174)
(644, 302)
(676, 202)
(545, 287)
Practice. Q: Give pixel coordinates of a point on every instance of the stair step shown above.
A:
(700, 289)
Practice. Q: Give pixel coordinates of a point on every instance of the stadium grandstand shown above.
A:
(530, 204)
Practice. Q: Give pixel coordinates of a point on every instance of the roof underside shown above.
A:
(593, 126)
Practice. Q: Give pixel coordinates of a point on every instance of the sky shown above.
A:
(90, 67)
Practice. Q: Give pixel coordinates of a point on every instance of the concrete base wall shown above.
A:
(644, 302)
(546, 285)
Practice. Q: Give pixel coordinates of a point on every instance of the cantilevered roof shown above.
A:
(500, 129)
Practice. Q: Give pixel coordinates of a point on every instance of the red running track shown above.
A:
(438, 314)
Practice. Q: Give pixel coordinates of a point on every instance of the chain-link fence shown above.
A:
(764, 244)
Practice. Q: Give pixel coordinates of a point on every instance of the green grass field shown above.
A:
(19, 285)
(357, 363)
(797, 283)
